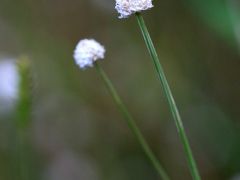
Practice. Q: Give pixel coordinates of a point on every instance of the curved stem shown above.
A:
(131, 123)
(170, 99)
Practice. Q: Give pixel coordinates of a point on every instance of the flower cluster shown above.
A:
(87, 52)
(128, 7)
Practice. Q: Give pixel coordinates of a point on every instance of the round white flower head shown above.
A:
(87, 52)
(128, 7)
(9, 82)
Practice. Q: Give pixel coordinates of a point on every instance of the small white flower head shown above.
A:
(9, 84)
(128, 7)
(87, 52)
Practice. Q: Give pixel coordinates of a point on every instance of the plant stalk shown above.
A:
(169, 96)
(131, 123)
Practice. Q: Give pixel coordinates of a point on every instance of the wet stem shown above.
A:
(169, 96)
(131, 123)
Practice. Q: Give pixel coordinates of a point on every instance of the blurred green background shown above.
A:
(76, 131)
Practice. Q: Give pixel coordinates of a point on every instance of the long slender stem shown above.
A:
(131, 123)
(170, 99)
(22, 119)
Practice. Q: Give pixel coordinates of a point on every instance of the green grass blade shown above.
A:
(131, 123)
(170, 99)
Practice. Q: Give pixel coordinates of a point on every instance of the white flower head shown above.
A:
(9, 84)
(128, 7)
(87, 52)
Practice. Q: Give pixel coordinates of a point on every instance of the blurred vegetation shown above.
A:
(76, 132)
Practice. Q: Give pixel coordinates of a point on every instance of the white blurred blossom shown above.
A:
(9, 82)
(128, 7)
(87, 52)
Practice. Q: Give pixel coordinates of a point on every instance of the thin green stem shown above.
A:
(131, 123)
(22, 120)
(170, 99)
